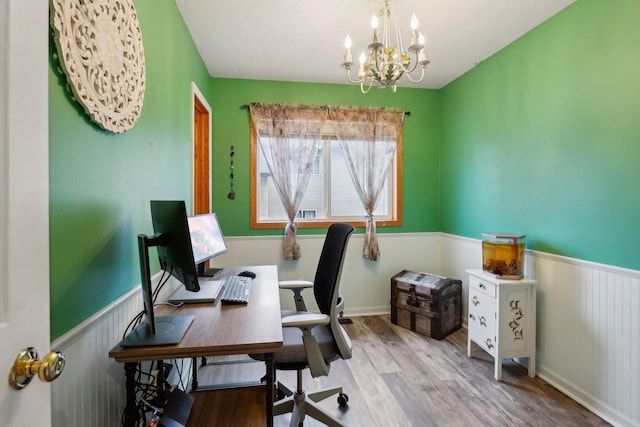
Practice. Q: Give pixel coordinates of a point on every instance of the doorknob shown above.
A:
(27, 365)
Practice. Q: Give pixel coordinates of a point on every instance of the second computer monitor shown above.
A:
(207, 241)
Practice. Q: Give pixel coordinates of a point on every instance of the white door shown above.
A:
(24, 201)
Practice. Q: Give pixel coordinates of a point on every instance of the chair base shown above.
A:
(300, 404)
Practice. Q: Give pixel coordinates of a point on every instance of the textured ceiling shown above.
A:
(303, 40)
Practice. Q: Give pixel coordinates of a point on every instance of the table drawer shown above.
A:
(482, 286)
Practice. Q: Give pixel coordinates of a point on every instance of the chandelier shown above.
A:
(386, 62)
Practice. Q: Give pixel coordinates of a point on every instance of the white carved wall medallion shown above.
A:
(100, 50)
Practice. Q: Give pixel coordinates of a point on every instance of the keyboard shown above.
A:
(236, 290)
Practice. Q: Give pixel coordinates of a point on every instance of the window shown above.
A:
(315, 169)
(330, 195)
(306, 214)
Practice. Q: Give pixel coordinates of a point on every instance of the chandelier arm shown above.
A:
(404, 69)
(350, 78)
(418, 80)
(362, 89)
(407, 70)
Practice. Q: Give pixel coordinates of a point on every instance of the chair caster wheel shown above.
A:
(342, 400)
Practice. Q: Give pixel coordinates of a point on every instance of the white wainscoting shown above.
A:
(588, 321)
(90, 391)
(365, 284)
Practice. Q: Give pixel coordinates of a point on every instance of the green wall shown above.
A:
(421, 137)
(544, 138)
(101, 183)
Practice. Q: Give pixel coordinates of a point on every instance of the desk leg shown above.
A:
(270, 387)
(161, 381)
(194, 374)
(131, 410)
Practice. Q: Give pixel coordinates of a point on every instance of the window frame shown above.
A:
(396, 210)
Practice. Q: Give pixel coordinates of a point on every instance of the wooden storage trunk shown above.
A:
(426, 303)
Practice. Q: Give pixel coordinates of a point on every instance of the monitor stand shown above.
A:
(169, 331)
(208, 272)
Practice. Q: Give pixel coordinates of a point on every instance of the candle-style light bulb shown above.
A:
(374, 22)
(414, 27)
(347, 45)
(422, 57)
(414, 22)
(374, 25)
(361, 73)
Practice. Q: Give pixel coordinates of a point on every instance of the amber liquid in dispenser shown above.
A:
(503, 255)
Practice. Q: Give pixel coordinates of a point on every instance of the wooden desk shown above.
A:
(218, 330)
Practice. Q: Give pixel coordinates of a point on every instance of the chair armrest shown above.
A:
(295, 284)
(305, 320)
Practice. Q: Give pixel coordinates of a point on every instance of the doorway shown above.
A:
(201, 180)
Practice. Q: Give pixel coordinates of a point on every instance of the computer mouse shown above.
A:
(247, 273)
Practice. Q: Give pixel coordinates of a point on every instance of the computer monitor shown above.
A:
(175, 254)
(207, 242)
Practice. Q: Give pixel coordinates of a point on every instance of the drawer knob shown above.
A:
(472, 317)
(482, 286)
(489, 343)
(475, 300)
(483, 321)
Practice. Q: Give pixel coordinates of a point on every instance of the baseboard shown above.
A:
(367, 311)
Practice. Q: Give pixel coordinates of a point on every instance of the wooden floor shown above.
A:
(398, 378)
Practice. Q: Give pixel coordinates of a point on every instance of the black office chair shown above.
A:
(313, 340)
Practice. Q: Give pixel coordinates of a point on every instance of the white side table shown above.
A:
(502, 318)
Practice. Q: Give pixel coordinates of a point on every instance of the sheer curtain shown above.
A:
(289, 137)
(369, 138)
